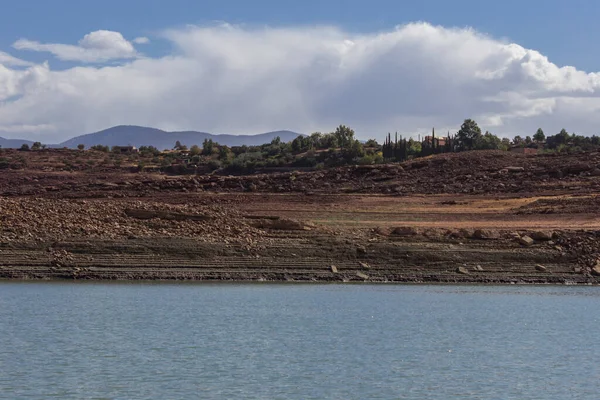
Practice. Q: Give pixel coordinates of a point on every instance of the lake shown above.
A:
(286, 341)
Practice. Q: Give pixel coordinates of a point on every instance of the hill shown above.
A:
(130, 135)
(13, 143)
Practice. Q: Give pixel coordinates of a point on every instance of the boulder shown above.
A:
(526, 241)
(462, 270)
(514, 169)
(596, 268)
(478, 268)
(541, 268)
(333, 269)
(364, 265)
(362, 276)
(484, 234)
(541, 235)
(382, 231)
(405, 231)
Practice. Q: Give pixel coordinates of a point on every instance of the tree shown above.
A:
(468, 134)
(195, 150)
(24, 147)
(344, 136)
(99, 147)
(371, 143)
(36, 146)
(353, 150)
(179, 146)
(539, 136)
(81, 146)
(560, 138)
(225, 154)
(207, 147)
(488, 141)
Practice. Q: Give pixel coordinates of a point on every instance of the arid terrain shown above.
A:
(481, 217)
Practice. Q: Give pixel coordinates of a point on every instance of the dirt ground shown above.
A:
(510, 222)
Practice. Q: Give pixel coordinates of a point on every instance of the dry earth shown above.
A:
(485, 217)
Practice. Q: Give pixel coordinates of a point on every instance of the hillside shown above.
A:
(125, 135)
(13, 143)
(131, 135)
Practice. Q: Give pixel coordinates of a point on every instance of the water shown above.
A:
(159, 341)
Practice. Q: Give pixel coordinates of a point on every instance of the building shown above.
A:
(439, 141)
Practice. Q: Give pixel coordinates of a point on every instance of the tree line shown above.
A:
(341, 147)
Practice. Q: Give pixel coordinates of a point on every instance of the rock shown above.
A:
(404, 231)
(541, 268)
(334, 269)
(578, 270)
(462, 270)
(514, 169)
(168, 215)
(362, 276)
(382, 231)
(541, 235)
(364, 265)
(465, 233)
(595, 172)
(596, 268)
(484, 234)
(361, 250)
(478, 268)
(526, 241)
(283, 224)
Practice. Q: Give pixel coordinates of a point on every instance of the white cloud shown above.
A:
(8, 60)
(227, 79)
(141, 40)
(98, 46)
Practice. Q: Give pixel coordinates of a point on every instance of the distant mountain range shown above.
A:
(131, 135)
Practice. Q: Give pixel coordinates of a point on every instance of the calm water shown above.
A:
(145, 341)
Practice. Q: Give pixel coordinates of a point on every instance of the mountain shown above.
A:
(130, 135)
(13, 143)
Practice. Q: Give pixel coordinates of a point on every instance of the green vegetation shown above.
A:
(315, 151)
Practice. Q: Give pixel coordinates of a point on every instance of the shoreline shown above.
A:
(312, 256)
(473, 217)
(285, 283)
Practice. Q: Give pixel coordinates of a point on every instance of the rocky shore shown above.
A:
(447, 219)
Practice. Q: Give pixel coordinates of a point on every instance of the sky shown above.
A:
(70, 67)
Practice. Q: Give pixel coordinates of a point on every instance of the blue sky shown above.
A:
(70, 67)
(566, 31)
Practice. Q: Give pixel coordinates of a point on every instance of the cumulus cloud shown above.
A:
(227, 79)
(98, 46)
(141, 40)
(7, 59)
